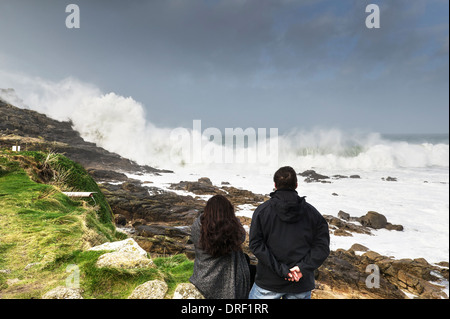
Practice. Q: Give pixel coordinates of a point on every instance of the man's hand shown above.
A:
(295, 274)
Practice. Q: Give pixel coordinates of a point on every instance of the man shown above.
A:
(290, 238)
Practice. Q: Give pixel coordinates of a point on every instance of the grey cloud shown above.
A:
(195, 58)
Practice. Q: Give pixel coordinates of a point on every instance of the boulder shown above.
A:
(169, 231)
(377, 221)
(151, 204)
(343, 275)
(312, 176)
(340, 227)
(389, 226)
(343, 215)
(358, 247)
(154, 289)
(187, 291)
(416, 276)
(373, 220)
(124, 260)
(62, 292)
(126, 245)
(202, 187)
(120, 219)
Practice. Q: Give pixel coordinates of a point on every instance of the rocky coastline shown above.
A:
(344, 274)
(159, 220)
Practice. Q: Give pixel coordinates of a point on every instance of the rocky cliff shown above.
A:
(35, 131)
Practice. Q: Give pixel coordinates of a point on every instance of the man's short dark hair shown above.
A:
(285, 178)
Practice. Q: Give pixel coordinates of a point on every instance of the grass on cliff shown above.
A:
(43, 232)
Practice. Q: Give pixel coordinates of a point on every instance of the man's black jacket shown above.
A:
(287, 231)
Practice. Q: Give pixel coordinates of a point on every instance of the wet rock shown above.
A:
(312, 176)
(169, 231)
(343, 215)
(343, 275)
(343, 228)
(202, 187)
(137, 202)
(373, 220)
(377, 221)
(358, 247)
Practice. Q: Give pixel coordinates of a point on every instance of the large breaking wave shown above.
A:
(119, 124)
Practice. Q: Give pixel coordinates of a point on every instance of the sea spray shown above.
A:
(119, 124)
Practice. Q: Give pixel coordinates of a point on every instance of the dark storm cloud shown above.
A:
(236, 62)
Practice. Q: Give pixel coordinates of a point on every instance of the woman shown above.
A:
(221, 270)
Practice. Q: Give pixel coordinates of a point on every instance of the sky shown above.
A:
(283, 64)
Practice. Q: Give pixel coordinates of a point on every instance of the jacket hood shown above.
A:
(287, 205)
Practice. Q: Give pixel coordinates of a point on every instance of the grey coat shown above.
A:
(224, 277)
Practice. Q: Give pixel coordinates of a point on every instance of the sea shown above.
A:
(403, 176)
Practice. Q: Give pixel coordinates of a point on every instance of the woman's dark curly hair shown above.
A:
(221, 231)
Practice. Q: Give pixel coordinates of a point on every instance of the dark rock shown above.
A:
(343, 275)
(107, 175)
(390, 226)
(169, 231)
(341, 232)
(312, 176)
(343, 215)
(339, 176)
(205, 180)
(201, 187)
(373, 220)
(150, 204)
(342, 228)
(120, 219)
(138, 222)
(235, 195)
(377, 221)
(35, 131)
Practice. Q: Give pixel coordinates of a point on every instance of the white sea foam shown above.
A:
(119, 124)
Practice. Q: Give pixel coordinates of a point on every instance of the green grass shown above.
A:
(43, 231)
(110, 283)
